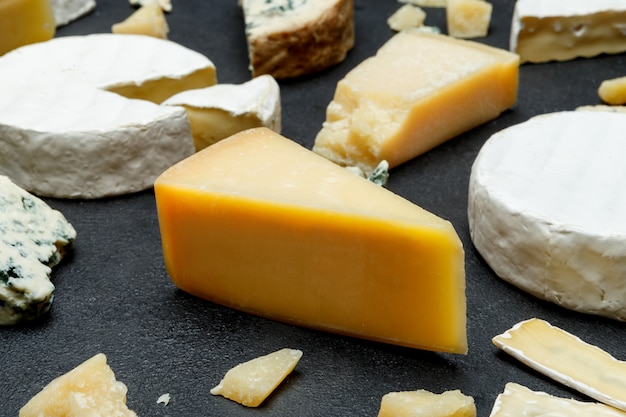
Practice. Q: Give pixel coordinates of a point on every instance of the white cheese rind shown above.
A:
(553, 30)
(33, 239)
(544, 213)
(66, 11)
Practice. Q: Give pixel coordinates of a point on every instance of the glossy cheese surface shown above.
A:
(396, 105)
(259, 223)
(554, 30)
(567, 359)
(545, 209)
(468, 19)
(519, 401)
(23, 22)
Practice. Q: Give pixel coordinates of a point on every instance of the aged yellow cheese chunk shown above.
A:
(422, 403)
(420, 90)
(147, 20)
(251, 382)
(23, 22)
(613, 91)
(567, 359)
(90, 389)
(468, 18)
(262, 224)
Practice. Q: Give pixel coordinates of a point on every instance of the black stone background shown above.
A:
(114, 296)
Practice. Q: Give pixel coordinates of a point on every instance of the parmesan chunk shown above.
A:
(422, 403)
(147, 20)
(468, 18)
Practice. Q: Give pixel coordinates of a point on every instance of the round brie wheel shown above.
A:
(547, 209)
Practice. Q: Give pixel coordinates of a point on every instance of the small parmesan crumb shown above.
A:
(613, 91)
(164, 399)
(407, 16)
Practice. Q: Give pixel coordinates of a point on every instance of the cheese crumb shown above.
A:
(422, 403)
(407, 16)
(164, 399)
(613, 91)
(468, 18)
(426, 3)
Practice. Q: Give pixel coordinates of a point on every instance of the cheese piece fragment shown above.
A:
(613, 91)
(291, 38)
(407, 16)
(422, 403)
(567, 359)
(543, 216)
(554, 30)
(147, 20)
(66, 11)
(468, 18)
(397, 104)
(426, 3)
(90, 389)
(23, 22)
(259, 223)
(222, 110)
(519, 401)
(250, 383)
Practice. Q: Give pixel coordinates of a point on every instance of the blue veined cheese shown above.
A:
(33, 239)
(289, 38)
(556, 30)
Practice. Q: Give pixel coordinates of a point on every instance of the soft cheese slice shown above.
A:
(422, 403)
(66, 11)
(555, 30)
(290, 38)
(222, 110)
(147, 20)
(23, 22)
(567, 359)
(543, 212)
(262, 224)
(519, 401)
(420, 90)
(90, 389)
(33, 239)
(251, 382)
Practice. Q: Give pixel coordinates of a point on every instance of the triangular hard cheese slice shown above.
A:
(262, 224)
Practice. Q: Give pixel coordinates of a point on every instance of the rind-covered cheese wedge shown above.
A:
(23, 22)
(567, 359)
(290, 38)
(259, 223)
(418, 91)
(66, 134)
(546, 210)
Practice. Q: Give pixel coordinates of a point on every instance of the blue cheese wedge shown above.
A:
(33, 239)
(290, 38)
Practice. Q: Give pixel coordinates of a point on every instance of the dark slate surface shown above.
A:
(114, 295)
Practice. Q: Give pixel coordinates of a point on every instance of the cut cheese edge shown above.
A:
(251, 382)
(519, 401)
(422, 403)
(553, 30)
(90, 389)
(567, 359)
(407, 16)
(257, 214)
(398, 104)
(23, 22)
(222, 110)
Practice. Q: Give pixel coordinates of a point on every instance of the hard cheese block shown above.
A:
(422, 403)
(23, 22)
(259, 223)
(420, 90)
(555, 30)
(546, 210)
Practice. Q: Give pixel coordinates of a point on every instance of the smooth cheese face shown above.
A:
(90, 389)
(148, 20)
(519, 401)
(468, 18)
(545, 216)
(259, 223)
(567, 359)
(290, 38)
(613, 91)
(33, 239)
(422, 403)
(84, 128)
(222, 110)
(553, 30)
(250, 383)
(23, 22)
(66, 11)
(396, 105)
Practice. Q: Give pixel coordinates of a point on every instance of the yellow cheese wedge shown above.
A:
(23, 22)
(422, 403)
(90, 389)
(567, 359)
(147, 20)
(250, 383)
(468, 18)
(262, 224)
(420, 90)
